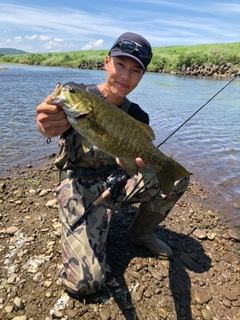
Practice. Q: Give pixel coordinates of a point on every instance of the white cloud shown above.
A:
(18, 38)
(176, 23)
(93, 45)
(58, 40)
(35, 36)
(44, 38)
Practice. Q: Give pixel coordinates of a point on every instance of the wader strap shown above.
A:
(126, 105)
(94, 89)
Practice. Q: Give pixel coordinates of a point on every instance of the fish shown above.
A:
(111, 130)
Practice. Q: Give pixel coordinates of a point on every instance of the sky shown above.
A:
(39, 26)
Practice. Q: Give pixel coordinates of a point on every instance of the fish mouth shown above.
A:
(81, 116)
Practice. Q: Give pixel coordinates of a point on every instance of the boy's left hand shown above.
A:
(139, 163)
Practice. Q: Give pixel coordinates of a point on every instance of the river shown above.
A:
(207, 145)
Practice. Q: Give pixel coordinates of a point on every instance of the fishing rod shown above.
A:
(181, 127)
(118, 180)
(197, 111)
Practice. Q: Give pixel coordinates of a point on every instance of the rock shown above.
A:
(32, 192)
(9, 309)
(203, 275)
(232, 294)
(234, 234)
(11, 230)
(105, 315)
(57, 314)
(19, 192)
(43, 193)
(18, 303)
(47, 283)
(2, 187)
(52, 203)
(72, 314)
(202, 295)
(200, 234)
(211, 235)
(206, 314)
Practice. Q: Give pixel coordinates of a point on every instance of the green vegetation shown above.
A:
(169, 58)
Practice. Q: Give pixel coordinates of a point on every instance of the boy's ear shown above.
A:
(107, 60)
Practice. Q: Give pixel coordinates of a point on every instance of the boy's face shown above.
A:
(123, 74)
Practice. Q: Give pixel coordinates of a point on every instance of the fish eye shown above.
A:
(70, 89)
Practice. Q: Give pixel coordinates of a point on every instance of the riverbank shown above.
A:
(168, 59)
(201, 282)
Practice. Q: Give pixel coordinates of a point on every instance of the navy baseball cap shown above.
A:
(133, 45)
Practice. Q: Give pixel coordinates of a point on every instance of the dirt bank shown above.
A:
(201, 282)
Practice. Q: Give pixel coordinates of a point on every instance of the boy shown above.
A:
(83, 176)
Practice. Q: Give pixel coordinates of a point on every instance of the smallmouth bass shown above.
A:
(116, 133)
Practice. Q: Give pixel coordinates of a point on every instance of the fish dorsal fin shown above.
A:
(86, 144)
(147, 129)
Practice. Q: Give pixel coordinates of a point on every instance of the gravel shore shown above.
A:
(202, 281)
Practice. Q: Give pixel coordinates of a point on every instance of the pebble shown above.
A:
(2, 187)
(72, 314)
(206, 314)
(105, 315)
(232, 294)
(47, 283)
(234, 234)
(200, 234)
(9, 309)
(52, 203)
(202, 296)
(43, 193)
(18, 303)
(32, 192)
(57, 314)
(11, 230)
(146, 284)
(211, 235)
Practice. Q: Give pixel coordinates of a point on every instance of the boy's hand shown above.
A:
(51, 119)
(139, 163)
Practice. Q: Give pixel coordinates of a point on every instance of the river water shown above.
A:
(207, 145)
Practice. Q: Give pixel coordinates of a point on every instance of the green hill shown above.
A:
(11, 51)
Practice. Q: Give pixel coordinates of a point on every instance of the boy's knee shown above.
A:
(83, 283)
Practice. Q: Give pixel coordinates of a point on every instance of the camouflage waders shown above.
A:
(84, 249)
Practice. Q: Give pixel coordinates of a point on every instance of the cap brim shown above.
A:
(124, 54)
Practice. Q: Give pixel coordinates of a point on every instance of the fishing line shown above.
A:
(196, 112)
(125, 200)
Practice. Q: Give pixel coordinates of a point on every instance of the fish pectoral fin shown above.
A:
(130, 166)
(148, 130)
(86, 144)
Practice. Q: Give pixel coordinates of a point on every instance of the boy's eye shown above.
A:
(136, 70)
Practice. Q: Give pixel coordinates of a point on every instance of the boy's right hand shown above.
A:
(51, 119)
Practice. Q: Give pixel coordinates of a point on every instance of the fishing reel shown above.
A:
(116, 182)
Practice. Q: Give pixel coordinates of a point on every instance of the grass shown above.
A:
(169, 58)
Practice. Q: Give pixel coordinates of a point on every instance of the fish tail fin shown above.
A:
(171, 173)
